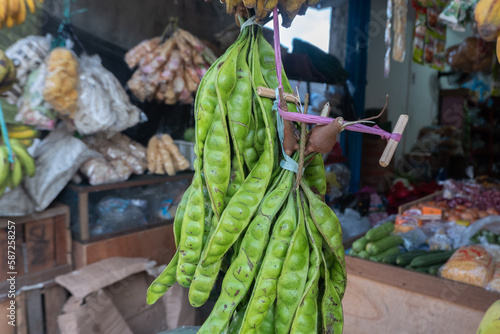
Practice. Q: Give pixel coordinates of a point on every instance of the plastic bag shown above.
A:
(99, 171)
(27, 53)
(352, 223)
(61, 82)
(399, 27)
(471, 265)
(32, 108)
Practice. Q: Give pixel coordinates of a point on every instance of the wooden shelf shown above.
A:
(134, 181)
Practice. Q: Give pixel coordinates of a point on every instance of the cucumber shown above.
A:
(390, 259)
(380, 257)
(363, 255)
(430, 259)
(420, 269)
(377, 247)
(360, 244)
(379, 232)
(434, 270)
(352, 252)
(404, 259)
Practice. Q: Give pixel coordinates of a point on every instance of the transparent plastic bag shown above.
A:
(99, 171)
(32, 108)
(471, 265)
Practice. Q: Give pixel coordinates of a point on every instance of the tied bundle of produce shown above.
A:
(121, 157)
(287, 8)
(168, 71)
(14, 12)
(164, 156)
(266, 230)
(61, 82)
(13, 173)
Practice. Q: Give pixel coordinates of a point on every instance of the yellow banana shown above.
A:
(250, 3)
(4, 66)
(3, 10)
(23, 134)
(487, 16)
(9, 23)
(13, 8)
(31, 5)
(16, 173)
(491, 320)
(27, 161)
(270, 4)
(18, 127)
(21, 15)
(4, 164)
(27, 142)
(231, 6)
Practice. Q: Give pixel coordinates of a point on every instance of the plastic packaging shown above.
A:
(99, 171)
(399, 27)
(352, 223)
(471, 265)
(413, 239)
(32, 108)
(61, 82)
(388, 40)
(27, 53)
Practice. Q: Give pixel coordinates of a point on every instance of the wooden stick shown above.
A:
(302, 144)
(391, 146)
(269, 93)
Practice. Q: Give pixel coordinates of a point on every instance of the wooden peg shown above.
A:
(269, 93)
(391, 146)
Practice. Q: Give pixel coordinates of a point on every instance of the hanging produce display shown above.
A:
(168, 71)
(14, 12)
(13, 173)
(248, 216)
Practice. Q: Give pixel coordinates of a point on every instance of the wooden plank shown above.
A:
(34, 308)
(466, 295)
(156, 244)
(55, 209)
(40, 245)
(21, 318)
(35, 278)
(5, 328)
(83, 215)
(427, 198)
(61, 240)
(134, 181)
(54, 299)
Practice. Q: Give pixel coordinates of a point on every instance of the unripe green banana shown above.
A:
(4, 164)
(27, 161)
(16, 173)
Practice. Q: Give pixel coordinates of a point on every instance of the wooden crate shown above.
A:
(406, 206)
(382, 298)
(42, 248)
(156, 244)
(36, 312)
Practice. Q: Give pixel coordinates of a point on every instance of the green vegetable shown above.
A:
(359, 244)
(380, 231)
(419, 269)
(390, 251)
(434, 270)
(363, 254)
(430, 259)
(404, 259)
(390, 259)
(377, 247)
(352, 252)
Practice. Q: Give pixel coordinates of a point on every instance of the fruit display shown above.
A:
(287, 8)
(168, 70)
(14, 12)
(164, 156)
(264, 229)
(61, 82)
(12, 174)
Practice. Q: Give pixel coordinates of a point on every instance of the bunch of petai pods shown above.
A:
(278, 246)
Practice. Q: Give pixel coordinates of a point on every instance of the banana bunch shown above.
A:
(491, 320)
(487, 16)
(12, 174)
(14, 12)
(25, 134)
(288, 8)
(7, 73)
